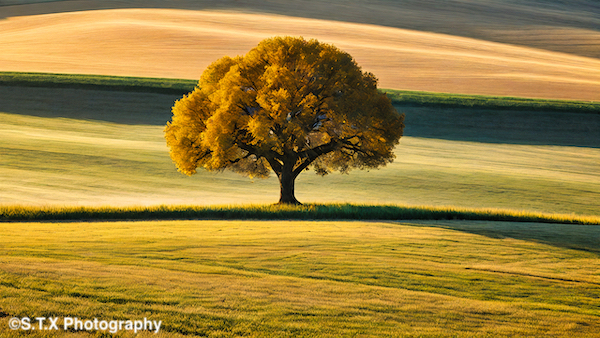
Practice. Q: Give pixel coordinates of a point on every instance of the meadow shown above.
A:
(306, 278)
(441, 259)
(91, 147)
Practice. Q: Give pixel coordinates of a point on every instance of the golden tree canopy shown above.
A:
(287, 105)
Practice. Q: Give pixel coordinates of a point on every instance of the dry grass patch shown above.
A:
(181, 43)
(564, 26)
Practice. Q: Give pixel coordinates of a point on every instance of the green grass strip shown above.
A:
(98, 82)
(398, 97)
(284, 212)
(442, 100)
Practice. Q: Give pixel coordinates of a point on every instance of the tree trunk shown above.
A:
(286, 184)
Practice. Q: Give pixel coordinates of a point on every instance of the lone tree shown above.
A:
(287, 105)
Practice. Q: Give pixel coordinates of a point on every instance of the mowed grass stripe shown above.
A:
(398, 97)
(284, 212)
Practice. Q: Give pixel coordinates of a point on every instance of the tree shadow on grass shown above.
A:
(571, 236)
(503, 126)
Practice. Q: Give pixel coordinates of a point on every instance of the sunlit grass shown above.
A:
(207, 264)
(307, 278)
(65, 161)
(284, 212)
(99, 147)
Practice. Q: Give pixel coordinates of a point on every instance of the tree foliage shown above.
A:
(287, 105)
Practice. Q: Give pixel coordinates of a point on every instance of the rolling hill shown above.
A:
(557, 25)
(180, 43)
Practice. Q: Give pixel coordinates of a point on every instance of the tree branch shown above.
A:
(275, 165)
(309, 155)
(271, 156)
(240, 158)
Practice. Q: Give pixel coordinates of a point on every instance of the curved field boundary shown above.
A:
(398, 97)
(283, 212)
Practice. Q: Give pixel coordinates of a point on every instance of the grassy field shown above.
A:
(73, 146)
(306, 279)
(58, 161)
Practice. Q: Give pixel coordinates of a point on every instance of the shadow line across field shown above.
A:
(572, 236)
(456, 124)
